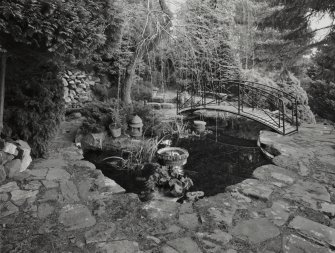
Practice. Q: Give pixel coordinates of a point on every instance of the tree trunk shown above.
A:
(2, 88)
(149, 46)
(128, 82)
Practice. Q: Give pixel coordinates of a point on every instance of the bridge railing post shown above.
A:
(283, 108)
(279, 116)
(296, 113)
(239, 97)
(293, 107)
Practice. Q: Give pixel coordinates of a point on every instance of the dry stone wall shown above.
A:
(78, 87)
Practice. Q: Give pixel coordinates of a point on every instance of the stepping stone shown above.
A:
(4, 197)
(185, 244)
(101, 233)
(189, 221)
(49, 195)
(9, 187)
(294, 244)
(123, 246)
(32, 185)
(309, 192)
(7, 208)
(55, 163)
(168, 249)
(38, 174)
(222, 215)
(44, 210)
(76, 217)
(113, 187)
(50, 184)
(13, 167)
(279, 212)
(84, 164)
(328, 209)
(3, 174)
(314, 231)
(84, 188)
(69, 191)
(272, 172)
(256, 231)
(257, 189)
(161, 209)
(19, 196)
(217, 236)
(57, 174)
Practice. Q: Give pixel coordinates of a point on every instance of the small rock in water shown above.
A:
(193, 196)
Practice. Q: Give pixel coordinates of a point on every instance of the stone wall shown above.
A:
(78, 87)
(14, 158)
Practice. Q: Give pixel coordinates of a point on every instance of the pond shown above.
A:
(215, 162)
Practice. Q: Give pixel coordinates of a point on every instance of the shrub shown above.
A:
(290, 84)
(322, 99)
(34, 104)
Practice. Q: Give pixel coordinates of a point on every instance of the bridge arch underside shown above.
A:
(254, 115)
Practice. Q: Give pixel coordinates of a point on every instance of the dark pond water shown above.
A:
(215, 162)
(219, 161)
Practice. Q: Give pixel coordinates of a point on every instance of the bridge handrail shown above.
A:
(264, 85)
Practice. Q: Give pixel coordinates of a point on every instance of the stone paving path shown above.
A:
(63, 204)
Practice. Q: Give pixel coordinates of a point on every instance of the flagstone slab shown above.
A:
(7, 209)
(308, 192)
(123, 246)
(69, 191)
(20, 196)
(294, 244)
(185, 244)
(75, 217)
(9, 187)
(313, 230)
(256, 230)
(57, 174)
(256, 188)
(278, 213)
(272, 172)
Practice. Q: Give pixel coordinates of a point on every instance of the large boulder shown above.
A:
(24, 154)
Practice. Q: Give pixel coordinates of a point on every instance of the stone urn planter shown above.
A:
(199, 126)
(172, 156)
(115, 130)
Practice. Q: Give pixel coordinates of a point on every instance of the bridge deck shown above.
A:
(254, 114)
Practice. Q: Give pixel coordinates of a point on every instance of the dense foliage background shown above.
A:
(135, 45)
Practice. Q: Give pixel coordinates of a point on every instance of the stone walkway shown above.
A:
(63, 204)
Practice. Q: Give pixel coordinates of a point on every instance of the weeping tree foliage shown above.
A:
(199, 47)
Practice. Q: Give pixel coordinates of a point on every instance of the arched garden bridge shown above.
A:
(267, 105)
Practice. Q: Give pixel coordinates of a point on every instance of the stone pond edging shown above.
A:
(286, 207)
